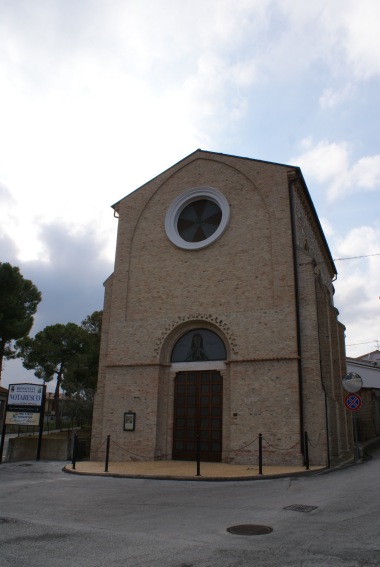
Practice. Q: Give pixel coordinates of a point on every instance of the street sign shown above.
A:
(24, 404)
(25, 395)
(353, 402)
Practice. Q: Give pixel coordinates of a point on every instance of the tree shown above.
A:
(80, 378)
(19, 299)
(52, 352)
(69, 353)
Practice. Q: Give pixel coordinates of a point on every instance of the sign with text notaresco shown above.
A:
(24, 404)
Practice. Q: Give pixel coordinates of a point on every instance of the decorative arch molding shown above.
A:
(173, 331)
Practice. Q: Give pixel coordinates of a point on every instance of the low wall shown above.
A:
(52, 449)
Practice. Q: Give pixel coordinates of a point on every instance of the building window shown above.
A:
(197, 217)
(197, 346)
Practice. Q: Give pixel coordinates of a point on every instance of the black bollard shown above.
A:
(306, 451)
(198, 455)
(75, 450)
(107, 452)
(260, 453)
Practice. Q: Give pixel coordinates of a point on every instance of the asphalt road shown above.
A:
(48, 517)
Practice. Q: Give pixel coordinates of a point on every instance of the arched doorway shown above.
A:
(198, 397)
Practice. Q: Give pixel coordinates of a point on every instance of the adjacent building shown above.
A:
(368, 415)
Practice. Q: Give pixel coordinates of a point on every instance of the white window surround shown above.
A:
(182, 201)
(194, 366)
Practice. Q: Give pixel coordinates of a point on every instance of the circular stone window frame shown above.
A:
(185, 199)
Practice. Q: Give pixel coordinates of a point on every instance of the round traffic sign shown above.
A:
(353, 402)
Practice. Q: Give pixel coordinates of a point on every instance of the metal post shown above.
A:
(198, 455)
(107, 452)
(260, 453)
(75, 449)
(2, 441)
(356, 437)
(41, 424)
(306, 451)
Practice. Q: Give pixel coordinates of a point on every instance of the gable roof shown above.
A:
(193, 154)
(296, 173)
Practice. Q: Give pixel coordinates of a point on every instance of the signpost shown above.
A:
(25, 406)
(353, 383)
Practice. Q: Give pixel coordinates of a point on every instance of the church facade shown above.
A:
(219, 321)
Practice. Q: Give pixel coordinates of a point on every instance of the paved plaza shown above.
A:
(324, 519)
(186, 470)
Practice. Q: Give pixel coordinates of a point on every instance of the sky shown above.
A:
(99, 96)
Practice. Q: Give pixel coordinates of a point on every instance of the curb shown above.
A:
(195, 478)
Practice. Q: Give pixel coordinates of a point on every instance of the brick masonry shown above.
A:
(285, 358)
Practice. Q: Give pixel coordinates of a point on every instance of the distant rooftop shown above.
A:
(370, 356)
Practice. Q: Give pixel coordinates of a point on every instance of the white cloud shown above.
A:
(331, 98)
(329, 164)
(366, 173)
(5, 195)
(83, 105)
(342, 34)
(361, 37)
(324, 161)
(70, 283)
(327, 227)
(357, 286)
(96, 98)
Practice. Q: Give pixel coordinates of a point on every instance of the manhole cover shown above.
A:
(300, 508)
(250, 529)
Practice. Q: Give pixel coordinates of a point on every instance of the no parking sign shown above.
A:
(353, 402)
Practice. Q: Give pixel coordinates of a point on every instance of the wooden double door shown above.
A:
(198, 410)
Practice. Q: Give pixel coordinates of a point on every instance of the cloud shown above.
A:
(361, 39)
(331, 98)
(357, 286)
(366, 173)
(70, 278)
(72, 281)
(327, 227)
(87, 98)
(8, 248)
(92, 110)
(343, 37)
(97, 98)
(328, 163)
(5, 195)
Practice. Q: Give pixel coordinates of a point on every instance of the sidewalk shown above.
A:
(185, 470)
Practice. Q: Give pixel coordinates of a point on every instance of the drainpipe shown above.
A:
(297, 302)
(327, 409)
